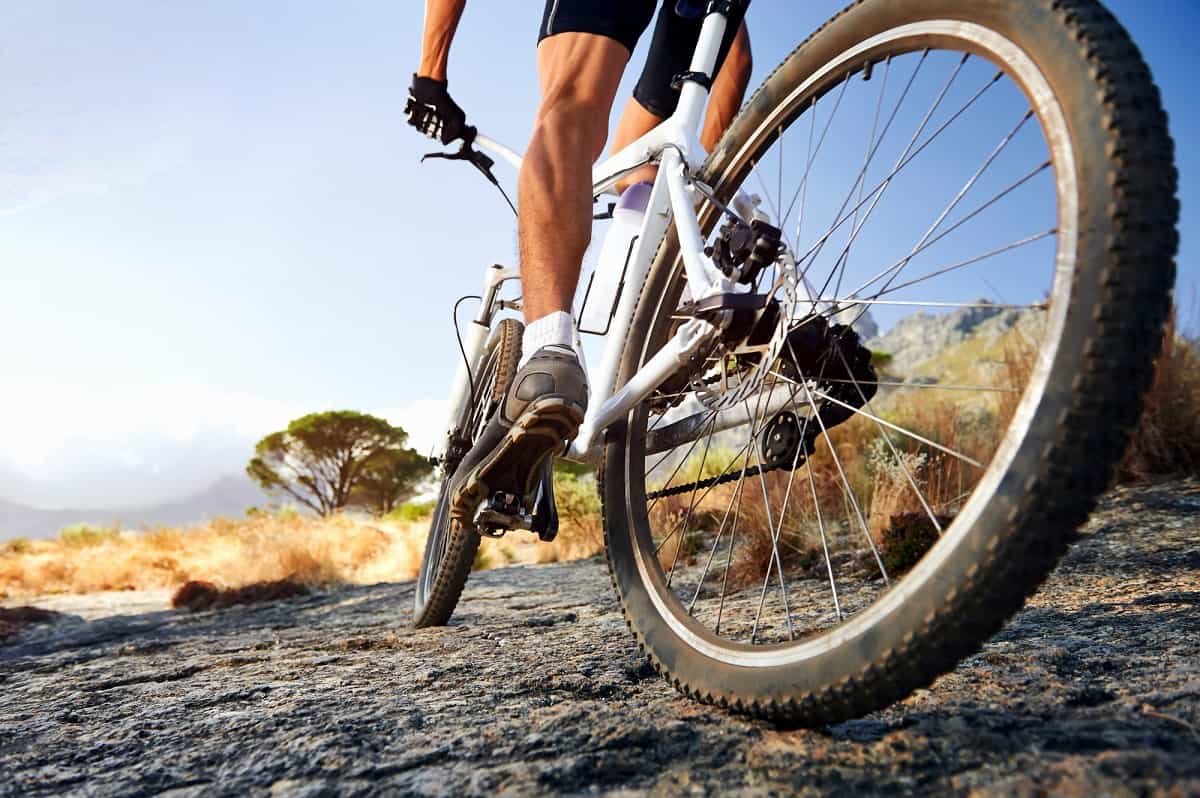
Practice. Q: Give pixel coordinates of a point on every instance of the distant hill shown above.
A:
(229, 496)
(917, 342)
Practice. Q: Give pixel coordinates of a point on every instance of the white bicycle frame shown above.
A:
(675, 146)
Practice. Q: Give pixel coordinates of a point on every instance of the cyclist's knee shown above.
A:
(575, 116)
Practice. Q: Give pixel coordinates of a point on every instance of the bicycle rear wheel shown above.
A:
(450, 550)
(888, 501)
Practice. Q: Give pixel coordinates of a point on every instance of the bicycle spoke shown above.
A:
(691, 507)
(899, 101)
(813, 154)
(925, 242)
(720, 531)
(899, 460)
(740, 492)
(775, 558)
(895, 268)
(837, 461)
(862, 182)
(743, 451)
(815, 249)
(775, 534)
(901, 430)
(712, 417)
(762, 183)
(812, 484)
(968, 262)
(729, 559)
(931, 386)
(802, 189)
(955, 305)
(900, 161)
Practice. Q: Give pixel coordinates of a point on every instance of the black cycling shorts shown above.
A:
(671, 48)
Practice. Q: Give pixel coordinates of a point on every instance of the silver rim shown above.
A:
(785, 640)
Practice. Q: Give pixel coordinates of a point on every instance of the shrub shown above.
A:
(907, 538)
(411, 511)
(83, 535)
(199, 595)
(580, 525)
(16, 546)
(1166, 440)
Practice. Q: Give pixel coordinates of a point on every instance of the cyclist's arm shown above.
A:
(441, 21)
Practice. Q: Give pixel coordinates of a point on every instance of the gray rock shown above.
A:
(537, 688)
(923, 335)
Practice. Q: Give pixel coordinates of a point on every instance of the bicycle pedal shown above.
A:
(501, 513)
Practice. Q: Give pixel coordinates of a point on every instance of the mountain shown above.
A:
(229, 496)
(922, 337)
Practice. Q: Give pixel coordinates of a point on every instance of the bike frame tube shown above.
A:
(675, 145)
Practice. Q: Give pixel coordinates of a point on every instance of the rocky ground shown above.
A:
(538, 688)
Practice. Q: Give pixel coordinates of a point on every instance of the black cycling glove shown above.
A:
(431, 111)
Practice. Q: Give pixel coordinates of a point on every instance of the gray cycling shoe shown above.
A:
(540, 413)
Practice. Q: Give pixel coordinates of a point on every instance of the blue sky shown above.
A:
(212, 218)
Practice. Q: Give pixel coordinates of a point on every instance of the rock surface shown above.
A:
(538, 688)
(920, 336)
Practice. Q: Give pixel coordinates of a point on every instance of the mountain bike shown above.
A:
(800, 524)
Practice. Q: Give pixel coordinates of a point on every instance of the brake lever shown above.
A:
(472, 156)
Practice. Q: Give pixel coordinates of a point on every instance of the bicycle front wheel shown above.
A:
(449, 549)
(821, 518)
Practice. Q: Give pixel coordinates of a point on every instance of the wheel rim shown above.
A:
(785, 640)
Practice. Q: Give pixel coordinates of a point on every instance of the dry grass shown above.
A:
(227, 553)
(857, 459)
(230, 554)
(1167, 439)
(580, 525)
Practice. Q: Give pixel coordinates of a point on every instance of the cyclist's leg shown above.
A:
(579, 75)
(581, 56)
(729, 89)
(671, 51)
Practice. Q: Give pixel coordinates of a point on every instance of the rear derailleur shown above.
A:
(742, 252)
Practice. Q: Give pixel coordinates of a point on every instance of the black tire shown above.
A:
(440, 581)
(1119, 295)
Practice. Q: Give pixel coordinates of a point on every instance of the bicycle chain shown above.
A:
(785, 438)
(751, 471)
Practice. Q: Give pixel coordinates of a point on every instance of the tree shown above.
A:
(322, 459)
(389, 479)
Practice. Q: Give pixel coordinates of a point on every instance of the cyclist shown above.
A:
(583, 46)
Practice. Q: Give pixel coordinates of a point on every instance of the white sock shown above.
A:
(557, 329)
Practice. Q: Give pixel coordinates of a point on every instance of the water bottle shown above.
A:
(600, 301)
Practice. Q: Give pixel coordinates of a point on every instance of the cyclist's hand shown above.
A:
(431, 111)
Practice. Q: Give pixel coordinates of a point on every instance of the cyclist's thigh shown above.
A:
(671, 50)
(622, 20)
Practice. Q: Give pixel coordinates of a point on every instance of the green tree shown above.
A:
(321, 459)
(388, 479)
